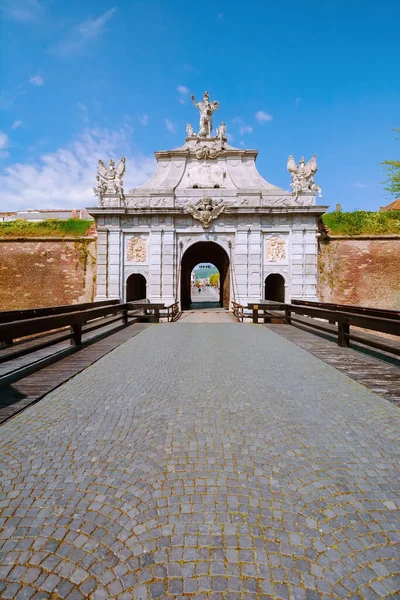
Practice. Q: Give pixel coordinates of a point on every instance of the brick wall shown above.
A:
(38, 272)
(360, 270)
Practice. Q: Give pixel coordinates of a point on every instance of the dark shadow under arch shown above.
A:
(135, 287)
(205, 252)
(275, 288)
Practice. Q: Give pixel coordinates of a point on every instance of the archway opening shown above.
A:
(204, 286)
(275, 288)
(135, 287)
(205, 253)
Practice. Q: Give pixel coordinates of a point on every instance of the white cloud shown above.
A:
(144, 119)
(65, 178)
(263, 117)
(363, 185)
(21, 10)
(4, 143)
(243, 128)
(7, 98)
(4, 140)
(183, 93)
(36, 80)
(229, 137)
(220, 16)
(16, 124)
(170, 125)
(83, 112)
(84, 33)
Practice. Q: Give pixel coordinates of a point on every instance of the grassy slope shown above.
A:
(362, 222)
(50, 227)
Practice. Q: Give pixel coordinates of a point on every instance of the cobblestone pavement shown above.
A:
(212, 461)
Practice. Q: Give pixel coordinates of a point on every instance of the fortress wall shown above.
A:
(363, 270)
(40, 272)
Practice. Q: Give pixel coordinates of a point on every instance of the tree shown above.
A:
(392, 169)
(214, 279)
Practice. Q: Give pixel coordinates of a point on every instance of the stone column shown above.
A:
(114, 263)
(102, 264)
(255, 269)
(239, 266)
(168, 265)
(154, 283)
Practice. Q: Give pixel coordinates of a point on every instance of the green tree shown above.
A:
(392, 170)
(214, 279)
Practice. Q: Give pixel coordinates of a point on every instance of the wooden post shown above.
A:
(76, 339)
(343, 341)
(156, 315)
(255, 313)
(288, 315)
(125, 316)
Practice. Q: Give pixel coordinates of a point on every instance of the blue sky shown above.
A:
(94, 79)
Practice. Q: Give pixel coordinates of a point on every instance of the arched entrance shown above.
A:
(199, 253)
(135, 287)
(275, 288)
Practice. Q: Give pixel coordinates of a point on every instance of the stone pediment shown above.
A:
(206, 164)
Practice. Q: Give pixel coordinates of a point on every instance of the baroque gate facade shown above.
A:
(207, 191)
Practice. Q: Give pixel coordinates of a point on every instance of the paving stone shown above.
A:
(218, 461)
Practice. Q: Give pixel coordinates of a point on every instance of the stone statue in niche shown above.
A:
(206, 109)
(276, 249)
(136, 250)
(302, 175)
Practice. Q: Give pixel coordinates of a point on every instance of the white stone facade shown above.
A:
(262, 228)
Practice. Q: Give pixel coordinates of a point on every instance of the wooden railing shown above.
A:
(350, 308)
(344, 316)
(30, 313)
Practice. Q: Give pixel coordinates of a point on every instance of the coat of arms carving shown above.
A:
(205, 211)
(136, 250)
(276, 249)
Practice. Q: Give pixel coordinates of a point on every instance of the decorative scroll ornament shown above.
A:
(276, 249)
(206, 109)
(206, 152)
(205, 211)
(302, 175)
(109, 179)
(136, 250)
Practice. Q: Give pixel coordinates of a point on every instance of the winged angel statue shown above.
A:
(109, 179)
(205, 211)
(302, 175)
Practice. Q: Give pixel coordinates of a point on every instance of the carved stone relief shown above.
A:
(275, 249)
(136, 249)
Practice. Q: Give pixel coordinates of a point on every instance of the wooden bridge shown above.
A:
(41, 348)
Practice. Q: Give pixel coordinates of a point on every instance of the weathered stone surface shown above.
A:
(360, 271)
(217, 461)
(46, 272)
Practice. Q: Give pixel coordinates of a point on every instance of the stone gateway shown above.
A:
(207, 203)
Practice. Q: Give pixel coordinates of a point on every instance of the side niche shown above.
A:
(275, 247)
(136, 251)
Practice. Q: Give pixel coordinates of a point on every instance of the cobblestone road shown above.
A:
(206, 461)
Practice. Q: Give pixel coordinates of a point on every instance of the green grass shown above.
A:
(362, 222)
(50, 227)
